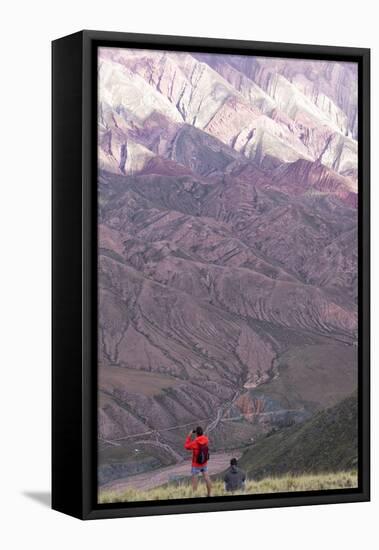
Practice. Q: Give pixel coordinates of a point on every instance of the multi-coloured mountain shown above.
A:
(227, 247)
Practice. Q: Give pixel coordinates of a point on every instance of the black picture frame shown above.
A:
(74, 273)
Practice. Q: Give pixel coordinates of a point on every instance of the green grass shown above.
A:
(284, 484)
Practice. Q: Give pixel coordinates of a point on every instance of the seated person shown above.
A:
(234, 478)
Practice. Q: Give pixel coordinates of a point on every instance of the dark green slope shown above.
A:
(325, 443)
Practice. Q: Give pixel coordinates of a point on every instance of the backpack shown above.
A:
(203, 454)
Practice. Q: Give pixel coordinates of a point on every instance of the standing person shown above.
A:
(200, 457)
(234, 478)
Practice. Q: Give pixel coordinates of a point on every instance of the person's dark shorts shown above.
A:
(195, 470)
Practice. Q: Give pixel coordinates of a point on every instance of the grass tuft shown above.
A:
(284, 484)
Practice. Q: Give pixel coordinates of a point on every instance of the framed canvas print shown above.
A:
(210, 274)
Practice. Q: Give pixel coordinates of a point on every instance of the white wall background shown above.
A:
(27, 29)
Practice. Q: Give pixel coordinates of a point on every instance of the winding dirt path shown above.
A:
(218, 462)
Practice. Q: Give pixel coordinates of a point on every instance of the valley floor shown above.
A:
(284, 484)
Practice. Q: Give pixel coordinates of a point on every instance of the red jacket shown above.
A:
(194, 446)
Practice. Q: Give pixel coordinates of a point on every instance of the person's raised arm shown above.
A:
(189, 444)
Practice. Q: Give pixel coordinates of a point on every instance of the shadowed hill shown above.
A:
(325, 443)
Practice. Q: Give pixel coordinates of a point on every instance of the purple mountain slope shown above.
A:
(227, 248)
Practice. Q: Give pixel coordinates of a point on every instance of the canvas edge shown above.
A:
(85, 507)
(67, 362)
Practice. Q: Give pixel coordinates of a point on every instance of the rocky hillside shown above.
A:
(272, 111)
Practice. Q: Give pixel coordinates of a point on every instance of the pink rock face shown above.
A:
(227, 238)
(272, 111)
(306, 177)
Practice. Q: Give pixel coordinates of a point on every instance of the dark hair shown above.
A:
(233, 462)
(199, 430)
